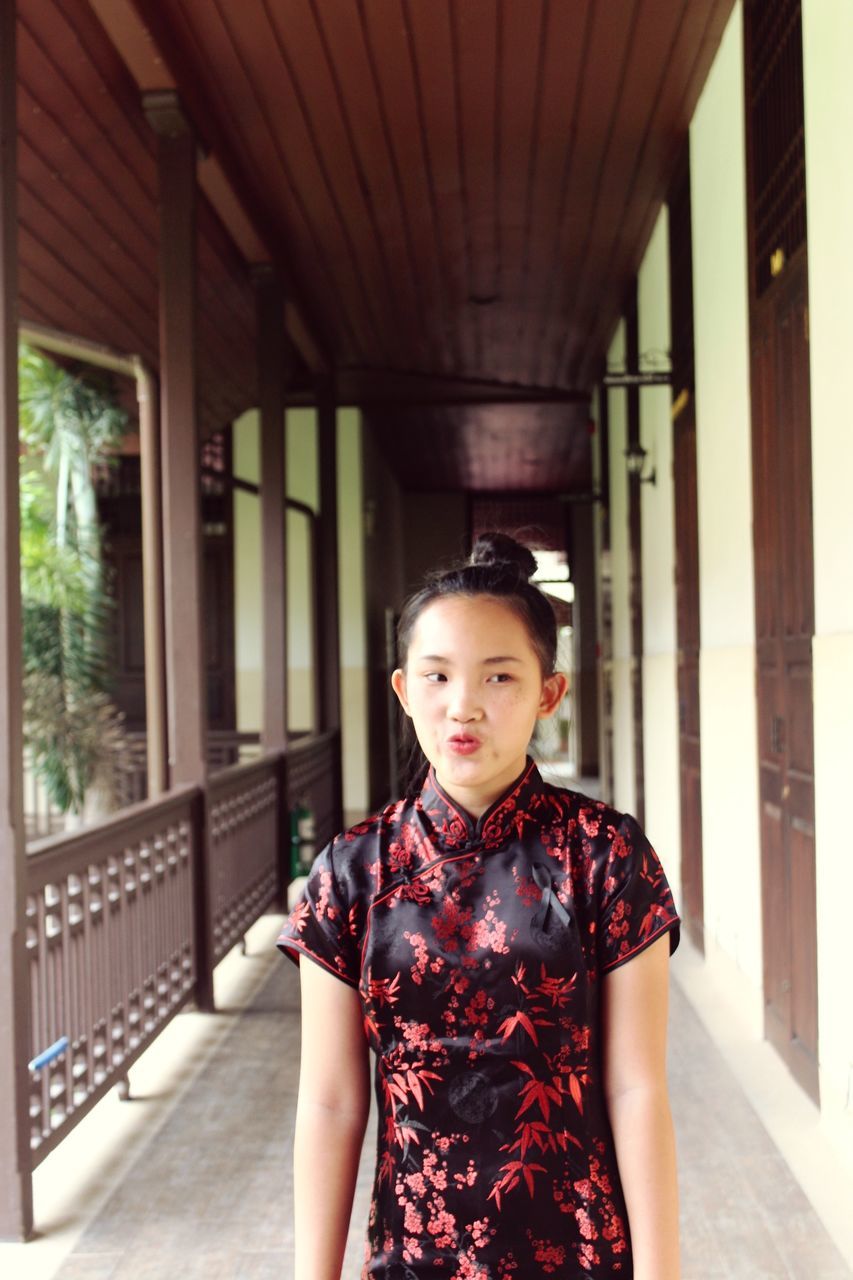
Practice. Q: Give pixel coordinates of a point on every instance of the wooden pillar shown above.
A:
(327, 614)
(16, 1206)
(328, 648)
(271, 389)
(187, 703)
(584, 638)
(156, 736)
(635, 555)
(186, 678)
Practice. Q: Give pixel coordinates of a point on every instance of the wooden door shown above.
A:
(687, 625)
(782, 524)
(635, 559)
(686, 545)
(784, 600)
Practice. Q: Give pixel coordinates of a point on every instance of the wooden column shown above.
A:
(328, 648)
(187, 703)
(635, 554)
(16, 1205)
(585, 637)
(271, 388)
(327, 612)
(156, 735)
(186, 681)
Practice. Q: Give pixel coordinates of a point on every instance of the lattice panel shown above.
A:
(311, 782)
(244, 851)
(110, 946)
(775, 103)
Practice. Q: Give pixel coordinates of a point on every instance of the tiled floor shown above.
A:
(210, 1195)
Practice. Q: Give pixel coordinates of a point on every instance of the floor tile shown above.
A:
(211, 1196)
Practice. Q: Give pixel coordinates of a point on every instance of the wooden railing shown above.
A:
(128, 780)
(110, 944)
(125, 920)
(247, 847)
(314, 782)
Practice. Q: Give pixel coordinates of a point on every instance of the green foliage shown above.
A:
(71, 727)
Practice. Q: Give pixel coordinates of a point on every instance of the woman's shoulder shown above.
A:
(358, 849)
(593, 815)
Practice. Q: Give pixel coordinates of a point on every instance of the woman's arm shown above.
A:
(635, 1016)
(331, 1115)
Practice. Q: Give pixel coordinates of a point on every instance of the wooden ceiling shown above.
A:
(457, 192)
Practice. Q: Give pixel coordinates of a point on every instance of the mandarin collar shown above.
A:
(450, 827)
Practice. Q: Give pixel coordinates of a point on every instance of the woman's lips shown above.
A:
(463, 744)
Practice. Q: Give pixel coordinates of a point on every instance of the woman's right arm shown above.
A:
(331, 1116)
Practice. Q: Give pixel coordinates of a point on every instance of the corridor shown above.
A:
(205, 1188)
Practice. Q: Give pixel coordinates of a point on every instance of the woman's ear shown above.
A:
(553, 691)
(398, 684)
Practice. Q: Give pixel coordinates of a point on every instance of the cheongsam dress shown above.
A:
(478, 951)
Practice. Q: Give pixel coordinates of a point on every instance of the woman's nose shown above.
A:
(463, 704)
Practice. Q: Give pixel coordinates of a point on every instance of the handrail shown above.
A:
(55, 855)
(126, 919)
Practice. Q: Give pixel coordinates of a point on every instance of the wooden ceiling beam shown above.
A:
(384, 387)
(144, 42)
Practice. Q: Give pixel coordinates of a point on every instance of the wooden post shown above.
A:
(186, 678)
(635, 556)
(329, 716)
(328, 645)
(584, 637)
(271, 389)
(272, 378)
(152, 583)
(16, 1204)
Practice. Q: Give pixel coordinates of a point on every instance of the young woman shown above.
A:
(502, 945)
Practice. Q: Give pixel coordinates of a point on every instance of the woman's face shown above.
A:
(474, 688)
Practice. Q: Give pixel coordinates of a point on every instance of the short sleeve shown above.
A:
(320, 924)
(636, 903)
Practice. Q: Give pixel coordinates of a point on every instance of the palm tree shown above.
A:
(71, 726)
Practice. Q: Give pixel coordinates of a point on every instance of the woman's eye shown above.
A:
(434, 677)
(501, 677)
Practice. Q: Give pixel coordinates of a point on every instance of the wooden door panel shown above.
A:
(687, 623)
(776, 899)
(784, 595)
(803, 937)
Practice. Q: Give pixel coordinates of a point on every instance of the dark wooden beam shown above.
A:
(141, 29)
(328, 648)
(584, 638)
(372, 388)
(180, 440)
(186, 681)
(271, 387)
(16, 1202)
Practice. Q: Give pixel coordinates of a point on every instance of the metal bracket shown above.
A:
(634, 378)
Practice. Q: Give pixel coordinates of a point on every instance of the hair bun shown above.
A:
(501, 549)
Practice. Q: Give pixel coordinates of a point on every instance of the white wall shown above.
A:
(353, 626)
(828, 91)
(303, 483)
(730, 827)
(248, 640)
(657, 512)
(624, 779)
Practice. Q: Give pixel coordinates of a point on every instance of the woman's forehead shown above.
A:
(469, 621)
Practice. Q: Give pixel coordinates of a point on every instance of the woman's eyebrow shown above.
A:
(497, 661)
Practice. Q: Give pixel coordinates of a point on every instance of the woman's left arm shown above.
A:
(635, 1002)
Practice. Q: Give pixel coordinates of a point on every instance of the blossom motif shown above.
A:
(479, 951)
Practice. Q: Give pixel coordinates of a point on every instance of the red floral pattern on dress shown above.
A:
(478, 951)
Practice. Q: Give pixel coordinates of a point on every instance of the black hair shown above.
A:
(499, 567)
